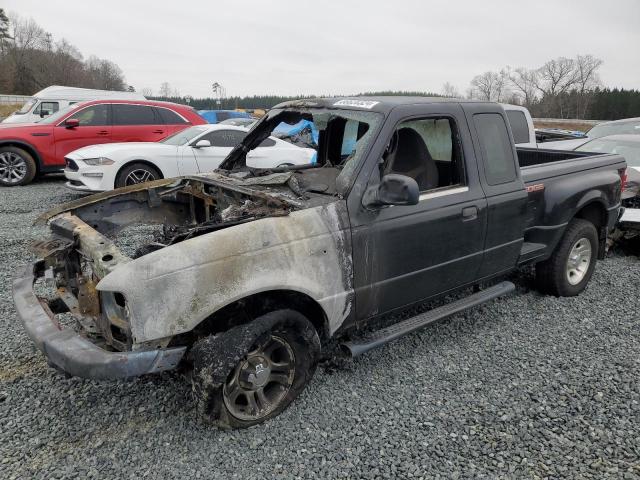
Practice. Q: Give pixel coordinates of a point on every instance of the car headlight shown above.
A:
(98, 161)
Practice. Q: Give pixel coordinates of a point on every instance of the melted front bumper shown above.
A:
(73, 353)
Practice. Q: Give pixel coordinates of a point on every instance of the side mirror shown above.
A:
(202, 144)
(43, 113)
(71, 123)
(393, 190)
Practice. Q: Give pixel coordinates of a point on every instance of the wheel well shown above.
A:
(249, 308)
(595, 213)
(27, 148)
(145, 162)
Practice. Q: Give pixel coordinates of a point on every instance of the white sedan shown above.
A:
(197, 149)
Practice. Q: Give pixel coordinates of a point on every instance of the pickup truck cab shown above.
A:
(250, 273)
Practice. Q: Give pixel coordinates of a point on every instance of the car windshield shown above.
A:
(27, 107)
(56, 117)
(184, 136)
(630, 150)
(340, 138)
(606, 129)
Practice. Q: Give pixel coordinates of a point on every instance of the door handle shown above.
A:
(158, 131)
(103, 132)
(469, 213)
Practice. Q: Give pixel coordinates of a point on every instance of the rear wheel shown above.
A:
(571, 265)
(17, 167)
(136, 173)
(251, 373)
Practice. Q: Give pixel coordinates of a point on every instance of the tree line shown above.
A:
(30, 60)
(560, 88)
(264, 101)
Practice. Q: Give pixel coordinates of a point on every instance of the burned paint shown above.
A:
(220, 239)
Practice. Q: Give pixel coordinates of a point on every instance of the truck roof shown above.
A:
(382, 103)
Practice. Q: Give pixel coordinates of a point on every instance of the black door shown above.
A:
(405, 254)
(502, 183)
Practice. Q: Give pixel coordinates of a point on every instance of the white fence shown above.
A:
(13, 99)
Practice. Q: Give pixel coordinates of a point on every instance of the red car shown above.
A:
(31, 149)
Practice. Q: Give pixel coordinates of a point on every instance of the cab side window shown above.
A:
(93, 116)
(496, 148)
(46, 108)
(429, 151)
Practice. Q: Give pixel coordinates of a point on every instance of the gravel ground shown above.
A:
(524, 387)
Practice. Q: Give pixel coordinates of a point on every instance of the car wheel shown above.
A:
(568, 271)
(17, 167)
(136, 173)
(252, 372)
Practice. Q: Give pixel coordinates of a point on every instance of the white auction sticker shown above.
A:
(356, 103)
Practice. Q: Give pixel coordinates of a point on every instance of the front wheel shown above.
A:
(252, 372)
(136, 173)
(568, 271)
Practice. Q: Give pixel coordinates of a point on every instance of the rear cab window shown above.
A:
(500, 164)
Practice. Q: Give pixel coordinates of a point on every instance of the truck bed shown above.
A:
(561, 183)
(537, 164)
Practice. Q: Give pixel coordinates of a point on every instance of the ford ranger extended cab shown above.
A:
(243, 275)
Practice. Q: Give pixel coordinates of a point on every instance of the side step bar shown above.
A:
(400, 329)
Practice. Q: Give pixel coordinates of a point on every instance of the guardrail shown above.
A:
(13, 99)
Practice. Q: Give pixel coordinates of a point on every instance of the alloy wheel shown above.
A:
(578, 261)
(261, 380)
(139, 176)
(13, 168)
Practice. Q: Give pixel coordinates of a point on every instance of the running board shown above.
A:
(400, 329)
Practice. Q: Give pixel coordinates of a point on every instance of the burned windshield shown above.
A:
(340, 138)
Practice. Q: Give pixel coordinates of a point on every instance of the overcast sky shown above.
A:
(301, 47)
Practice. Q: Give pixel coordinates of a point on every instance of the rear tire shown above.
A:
(568, 271)
(136, 173)
(17, 167)
(251, 373)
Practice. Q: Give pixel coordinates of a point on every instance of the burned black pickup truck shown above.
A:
(244, 275)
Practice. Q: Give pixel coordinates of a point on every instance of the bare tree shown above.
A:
(524, 81)
(165, 90)
(556, 76)
(490, 86)
(587, 79)
(448, 90)
(31, 60)
(5, 36)
(104, 74)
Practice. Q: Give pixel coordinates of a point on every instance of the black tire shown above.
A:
(553, 275)
(123, 177)
(221, 362)
(17, 167)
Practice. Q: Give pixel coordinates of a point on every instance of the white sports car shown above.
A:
(195, 150)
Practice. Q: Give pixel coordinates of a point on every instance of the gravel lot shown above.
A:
(524, 387)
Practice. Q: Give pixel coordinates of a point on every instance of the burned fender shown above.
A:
(172, 290)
